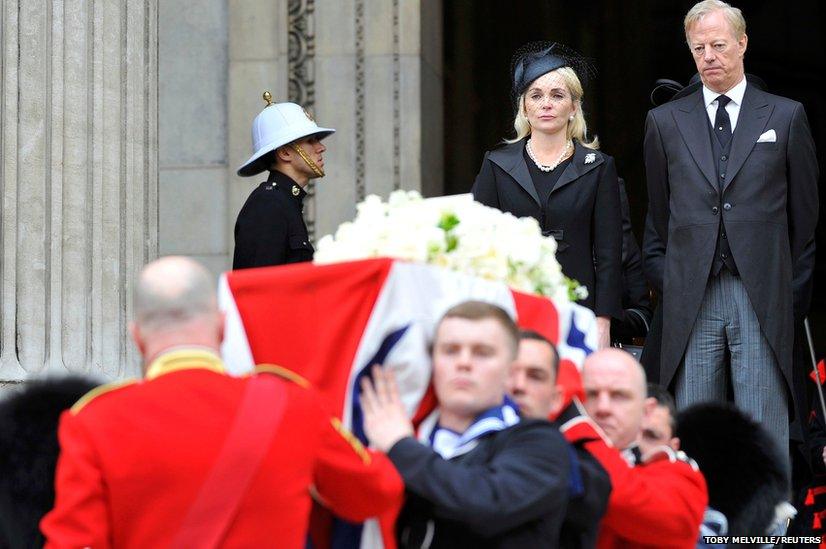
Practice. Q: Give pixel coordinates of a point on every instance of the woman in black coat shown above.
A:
(551, 172)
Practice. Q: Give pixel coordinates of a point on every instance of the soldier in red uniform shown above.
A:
(190, 457)
(657, 499)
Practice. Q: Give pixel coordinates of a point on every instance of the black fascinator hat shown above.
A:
(534, 59)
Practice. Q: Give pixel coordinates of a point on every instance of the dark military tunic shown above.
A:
(510, 491)
(270, 229)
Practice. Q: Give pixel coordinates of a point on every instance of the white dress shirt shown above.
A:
(733, 108)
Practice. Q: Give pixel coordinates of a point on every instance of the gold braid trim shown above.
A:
(185, 359)
(282, 372)
(355, 443)
(98, 391)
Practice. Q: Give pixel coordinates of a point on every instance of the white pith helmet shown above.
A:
(277, 125)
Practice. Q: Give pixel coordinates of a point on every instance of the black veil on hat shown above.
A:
(534, 59)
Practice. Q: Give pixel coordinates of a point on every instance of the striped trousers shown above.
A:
(727, 325)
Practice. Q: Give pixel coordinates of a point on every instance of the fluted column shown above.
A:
(78, 182)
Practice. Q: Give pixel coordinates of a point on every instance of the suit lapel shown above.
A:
(577, 168)
(754, 113)
(510, 159)
(692, 122)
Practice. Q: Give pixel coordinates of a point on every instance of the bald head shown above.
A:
(171, 291)
(615, 394)
(175, 304)
(619, 364)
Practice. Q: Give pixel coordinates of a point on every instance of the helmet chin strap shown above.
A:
(307, 160)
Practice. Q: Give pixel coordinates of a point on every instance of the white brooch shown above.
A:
(590, 157)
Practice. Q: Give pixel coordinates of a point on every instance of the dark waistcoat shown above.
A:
(722, 254)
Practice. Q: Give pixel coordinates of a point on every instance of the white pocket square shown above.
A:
(767, 137)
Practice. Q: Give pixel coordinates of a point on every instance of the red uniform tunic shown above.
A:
(133, 459)
(658, 504)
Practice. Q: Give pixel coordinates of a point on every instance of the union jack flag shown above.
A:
(331, 323)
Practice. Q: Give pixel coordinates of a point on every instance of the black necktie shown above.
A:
(722, 123)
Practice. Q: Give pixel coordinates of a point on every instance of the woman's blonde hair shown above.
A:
(577, 128)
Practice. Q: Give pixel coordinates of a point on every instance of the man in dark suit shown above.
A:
(732, 182)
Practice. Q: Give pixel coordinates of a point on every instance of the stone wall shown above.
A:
(194, 57)
(257, 62)
(378, 82)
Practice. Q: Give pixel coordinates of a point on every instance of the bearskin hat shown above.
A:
(744, 469)
(28, 454)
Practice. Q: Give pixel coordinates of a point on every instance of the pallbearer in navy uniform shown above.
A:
(270, 229)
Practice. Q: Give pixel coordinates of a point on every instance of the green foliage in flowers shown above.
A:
(447, 223)
(452, 242)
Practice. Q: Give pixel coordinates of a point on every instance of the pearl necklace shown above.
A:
(549, 167)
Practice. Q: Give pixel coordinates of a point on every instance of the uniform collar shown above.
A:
(735, 94)
(450, 444)
(632, 455)
(286, 185)
(185, 358)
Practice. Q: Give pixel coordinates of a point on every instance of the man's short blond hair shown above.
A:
(734, 16)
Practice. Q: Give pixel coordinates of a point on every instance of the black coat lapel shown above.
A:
(754, 114)
(584, 161)
(510, 159)
(692, 122)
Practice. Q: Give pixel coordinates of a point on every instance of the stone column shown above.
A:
(78, 182)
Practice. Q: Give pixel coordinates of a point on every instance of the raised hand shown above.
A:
(385, 419)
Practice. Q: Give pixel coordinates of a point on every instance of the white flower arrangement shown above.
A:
(457, 233)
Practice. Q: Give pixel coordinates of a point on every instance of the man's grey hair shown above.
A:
(734, 16)
(173, 291)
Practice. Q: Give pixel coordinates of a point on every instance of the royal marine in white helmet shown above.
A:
(270, 229)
